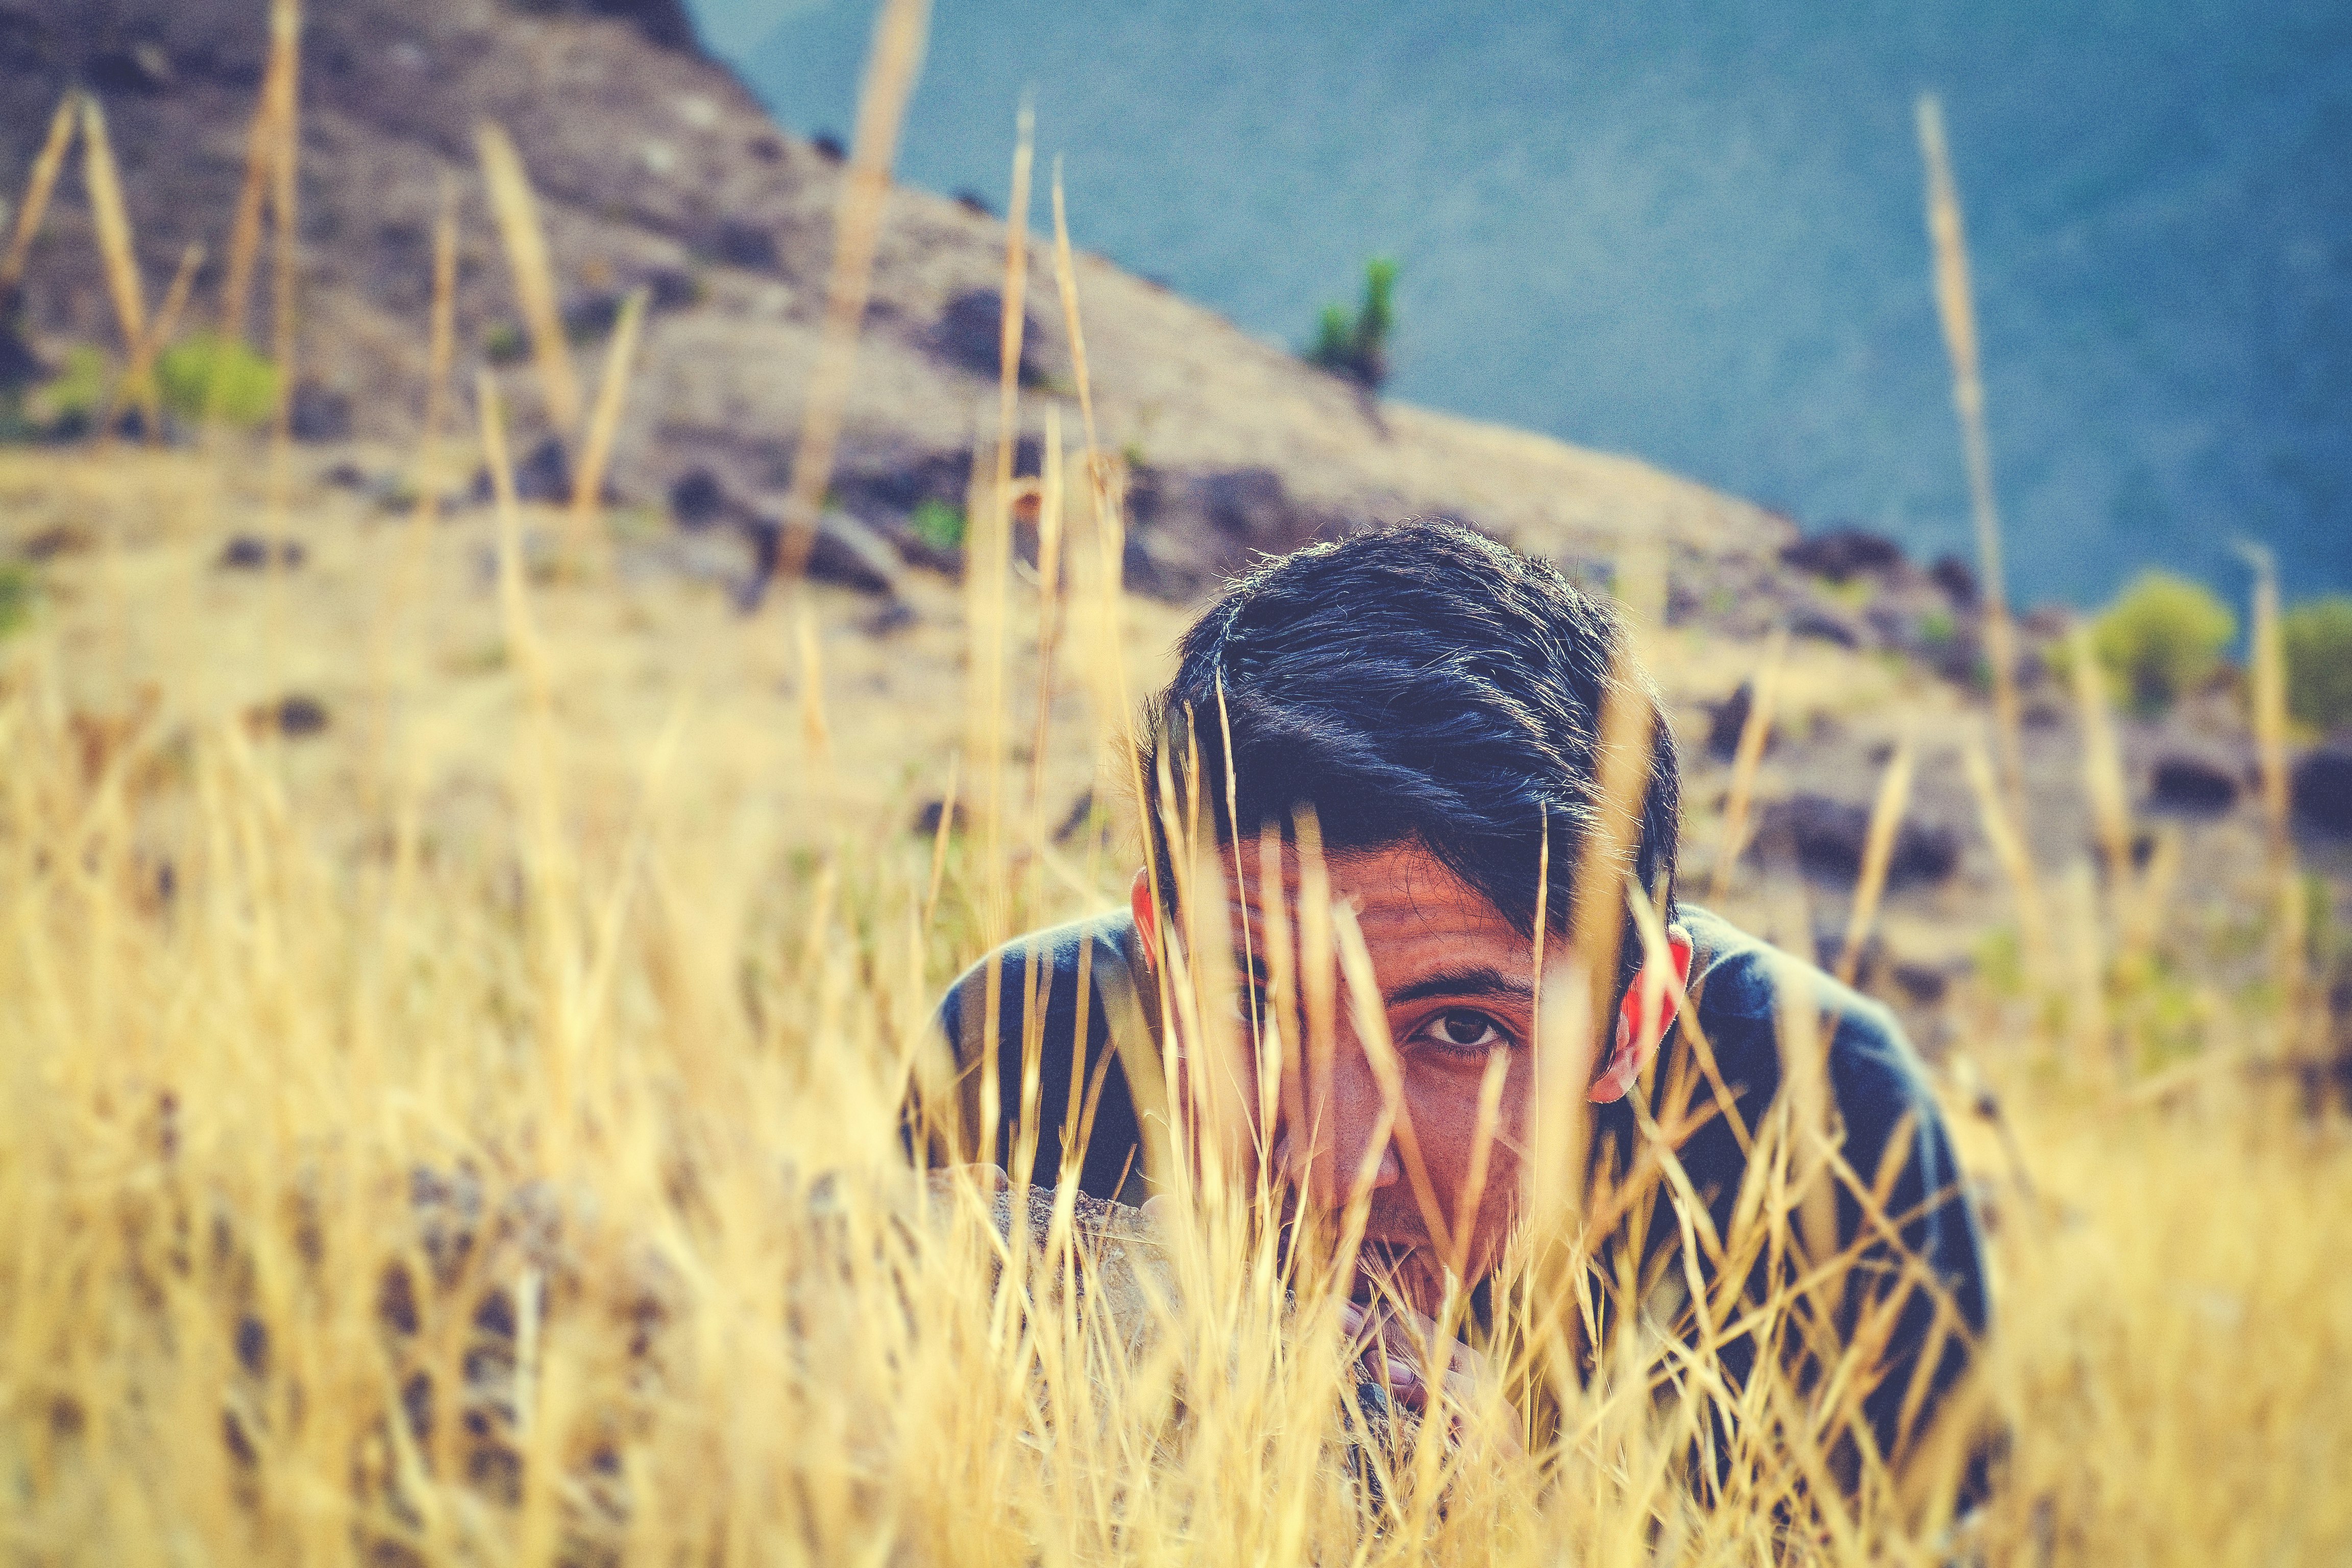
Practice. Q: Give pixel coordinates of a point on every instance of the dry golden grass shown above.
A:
(473, 1135)
(618, 961)
(1956, 308)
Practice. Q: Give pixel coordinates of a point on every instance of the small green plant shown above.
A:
(71, 399)
(1359, 348)
(17, 590)
(506, 344)
(2318, 639)
(216, 377)
(2162, 637)
(1937, 628)
(938, 525)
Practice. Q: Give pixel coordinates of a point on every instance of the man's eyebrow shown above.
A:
(1475, 981)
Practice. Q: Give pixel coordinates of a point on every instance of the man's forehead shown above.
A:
(1395, 889)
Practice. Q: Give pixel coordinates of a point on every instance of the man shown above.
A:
(1436, 704)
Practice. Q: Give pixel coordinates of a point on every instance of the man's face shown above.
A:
(1456, 988)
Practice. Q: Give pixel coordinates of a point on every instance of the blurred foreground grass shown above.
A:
(469, 1134)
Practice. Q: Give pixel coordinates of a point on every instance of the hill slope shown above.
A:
(654, 164)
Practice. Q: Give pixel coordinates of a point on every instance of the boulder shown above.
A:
(845, 550)
(1196, 528)
(1828, 837)
(668, 22)
(1922, 985)
(672, 288)
(926, 818)
(20, 367)
(1251, 507)
(745, 245)
(970, 335)
(1957, 579)
(697, 500)
(251, 552)
(2322, 784)
(2192, 785)
(1727, 720)
(319, 413)
(845, 553)
(848, 552)
(1841, 554)
(300, 714)
(1824, 625)
(545, 476)
(297, 716)
(592, 317)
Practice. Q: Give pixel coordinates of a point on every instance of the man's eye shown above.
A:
(1464, 1030)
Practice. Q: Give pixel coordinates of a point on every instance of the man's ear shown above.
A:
(1634, 1044)
(1140, 903)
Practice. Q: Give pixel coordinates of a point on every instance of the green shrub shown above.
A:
(2163, 637)
(18, 592)
(73, 398)
(216, 377)
(938, 525)
(2318, 638)
(1359, 349)
(1333, 335)
(506, 344)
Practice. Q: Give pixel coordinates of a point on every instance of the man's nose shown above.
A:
(1324, 1156)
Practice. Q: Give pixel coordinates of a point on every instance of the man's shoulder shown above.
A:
(1048, 963)
(1743, 987)
(1886, 1103)
(1058, 947)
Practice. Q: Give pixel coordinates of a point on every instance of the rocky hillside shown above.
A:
(657, 168)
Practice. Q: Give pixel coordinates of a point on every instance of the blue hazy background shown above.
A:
(1691, 231)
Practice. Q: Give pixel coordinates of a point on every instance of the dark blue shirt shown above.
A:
(1079, 1002)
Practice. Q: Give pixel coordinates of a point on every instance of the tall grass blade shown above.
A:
(603, 428)
(111, 219)
(2103, 770)
(286, 211)
(2016, 858)
(893, 62)
(39, 187)
(1956, 305)
(516, 208)
(138, 381)
(1755, 734)
(2289, 935)
(440, 355)
(263, 139)
(989, 551)
(1877, 856)
(1052, 500)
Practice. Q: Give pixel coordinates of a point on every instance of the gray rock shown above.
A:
(1828, 836)
(320, 414)
(1727, 720)
(2322, 789)
(2192, 785)
(970, 335)
(847, 553)
(1841, 554)
(1824, 625)
(664, 22)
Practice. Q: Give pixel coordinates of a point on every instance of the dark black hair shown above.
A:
(1422, 682)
